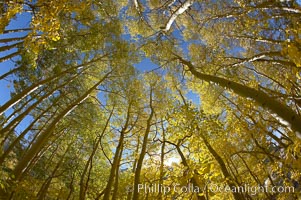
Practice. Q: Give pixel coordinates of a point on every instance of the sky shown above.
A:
(6, 85)
(21, 21)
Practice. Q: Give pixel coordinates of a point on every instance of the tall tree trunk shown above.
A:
(44, 188)
(263, 99)
(17, 30)
(18, 139)
(7, 57)
(8, 47)
(143, 150)
(83, 185)
(42, 138)
(160, 195)
(71, 187)
(108, 189)
(107, 192)
(130, 191)
(10, 72)
(5, 40)
(18, 97)
(185, 163)
(227, 176)
(116, 183)
(20, 117)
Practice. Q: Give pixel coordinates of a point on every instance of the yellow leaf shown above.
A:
(56, 38)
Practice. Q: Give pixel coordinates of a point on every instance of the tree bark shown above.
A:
(119, 148)
(18, 139)
(282, 111)
(83, 186)
(19, 118)
(44, 188)
(18, 97)
(185, 163)
(5, 58)
(227, 176)
(6, 40)
(116, 183)
(130, 191)
(143, 150)
(178, 12)
(160, 195)
(8, 47)
(42, 138)
(17, 30)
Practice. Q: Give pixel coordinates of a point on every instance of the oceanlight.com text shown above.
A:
(214, 188)
(252, 190)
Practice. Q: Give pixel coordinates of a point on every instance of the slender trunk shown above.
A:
(71, 187)
(233, 170)
(108, 189)
(44, 188)
(143, 150)
(227, 176)
(17, 120)
(16, 30)
(43, 137)
(100, 194)
(18, 109)
(115, 193)
(10, 72)
(84, 186)
(14, 123)
(175, 14)
(40, 154)
(6, 133)
(282, 111)
(130, 192)
(5, 58)
(160, 195)
(8, 47)
(5, 40)
(185, 163)
(18, 97)
(253, 175)
(107, 192)
(18, 139)
(278, 140)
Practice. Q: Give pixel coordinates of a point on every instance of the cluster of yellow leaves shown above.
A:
(47, 19)
(293, 154)
(210, 95)
(294, 53)
(14, 7)
(292, 48)
(46, 24)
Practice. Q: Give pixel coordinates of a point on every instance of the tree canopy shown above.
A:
(177, 99)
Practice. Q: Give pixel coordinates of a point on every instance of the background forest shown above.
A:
(111, 99)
